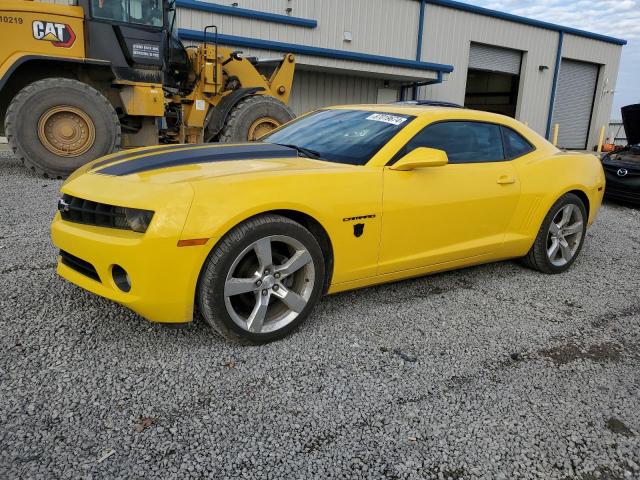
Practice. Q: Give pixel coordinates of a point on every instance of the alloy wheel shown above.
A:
(269, 284)
(565, 235)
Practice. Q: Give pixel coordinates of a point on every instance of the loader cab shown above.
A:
(147, 13)
(131, 34)
(179, 73)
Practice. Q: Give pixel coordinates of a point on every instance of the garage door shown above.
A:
(494, 59)
(574, 102)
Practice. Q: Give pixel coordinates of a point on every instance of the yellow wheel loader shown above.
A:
(81, 81)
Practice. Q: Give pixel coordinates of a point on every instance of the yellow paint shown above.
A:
(423, 220)
(20, 28)
(143, 100)
(556, 132)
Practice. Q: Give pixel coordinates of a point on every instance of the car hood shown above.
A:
(190, 163)
(631, 120)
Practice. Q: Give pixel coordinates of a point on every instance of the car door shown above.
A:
(441, 214)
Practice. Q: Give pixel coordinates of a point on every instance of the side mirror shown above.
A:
(421, 157)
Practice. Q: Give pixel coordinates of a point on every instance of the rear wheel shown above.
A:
(254, 117)
(58, 124)
(560, 238)
(261, 280)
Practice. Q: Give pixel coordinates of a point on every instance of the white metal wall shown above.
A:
(448, 34)
(314, 89)
(375, 27)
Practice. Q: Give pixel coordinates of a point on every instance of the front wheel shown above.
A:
(58, 124)
(261, 280)
(560, 238)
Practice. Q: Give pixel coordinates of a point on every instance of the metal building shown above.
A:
(353, 51)
(377, 51)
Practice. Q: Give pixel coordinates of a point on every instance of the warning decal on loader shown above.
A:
(146, 51)
(59, 34)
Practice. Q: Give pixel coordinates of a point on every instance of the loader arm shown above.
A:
(216, 70)
(278, 85)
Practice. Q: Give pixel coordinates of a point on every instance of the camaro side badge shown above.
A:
(59, 34)
(358, 228)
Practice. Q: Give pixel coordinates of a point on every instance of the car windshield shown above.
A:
(143, 12)
(342, 136)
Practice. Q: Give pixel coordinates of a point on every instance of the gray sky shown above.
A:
(620, 19)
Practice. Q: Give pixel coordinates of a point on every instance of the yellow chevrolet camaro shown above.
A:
(342, 198)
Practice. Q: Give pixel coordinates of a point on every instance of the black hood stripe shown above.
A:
(214, 153)
(128, 154)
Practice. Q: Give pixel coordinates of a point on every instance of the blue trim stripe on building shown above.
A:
(247, 13)
(309, 23)
(195, 35)
(526, 21)
(554, 86)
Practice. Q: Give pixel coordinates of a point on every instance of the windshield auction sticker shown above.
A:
(383, 117)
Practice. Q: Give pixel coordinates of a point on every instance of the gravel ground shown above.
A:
(494, 372)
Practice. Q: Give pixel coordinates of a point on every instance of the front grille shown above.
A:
(78, 210)
(613, 170)
(79, 265)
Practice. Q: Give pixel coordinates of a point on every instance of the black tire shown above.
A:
(247, 111)
(211, 284)
(34, 100)
(537, 258)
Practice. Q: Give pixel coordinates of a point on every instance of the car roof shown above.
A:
(438, 113)
(433, 111)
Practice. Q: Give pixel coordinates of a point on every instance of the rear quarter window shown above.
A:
(515, 145)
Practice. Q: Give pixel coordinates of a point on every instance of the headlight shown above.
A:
(133, 218)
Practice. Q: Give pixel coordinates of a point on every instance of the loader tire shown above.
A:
(254, 117)
(56, 125)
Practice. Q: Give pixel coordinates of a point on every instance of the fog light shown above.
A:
(121, 278)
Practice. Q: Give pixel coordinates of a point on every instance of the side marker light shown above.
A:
(192, 242)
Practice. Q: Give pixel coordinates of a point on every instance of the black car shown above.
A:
(622, 167)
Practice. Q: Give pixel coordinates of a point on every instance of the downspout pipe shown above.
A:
(414, 85)
(423, 4)
(554, 87)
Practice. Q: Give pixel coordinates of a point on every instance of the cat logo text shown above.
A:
(59, 34)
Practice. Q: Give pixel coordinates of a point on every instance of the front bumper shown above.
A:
(625, 189)
(163, 276)
(623, 195)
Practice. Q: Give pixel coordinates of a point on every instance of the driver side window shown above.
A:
(464, 142)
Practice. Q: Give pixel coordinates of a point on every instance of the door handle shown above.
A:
(506, 180)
